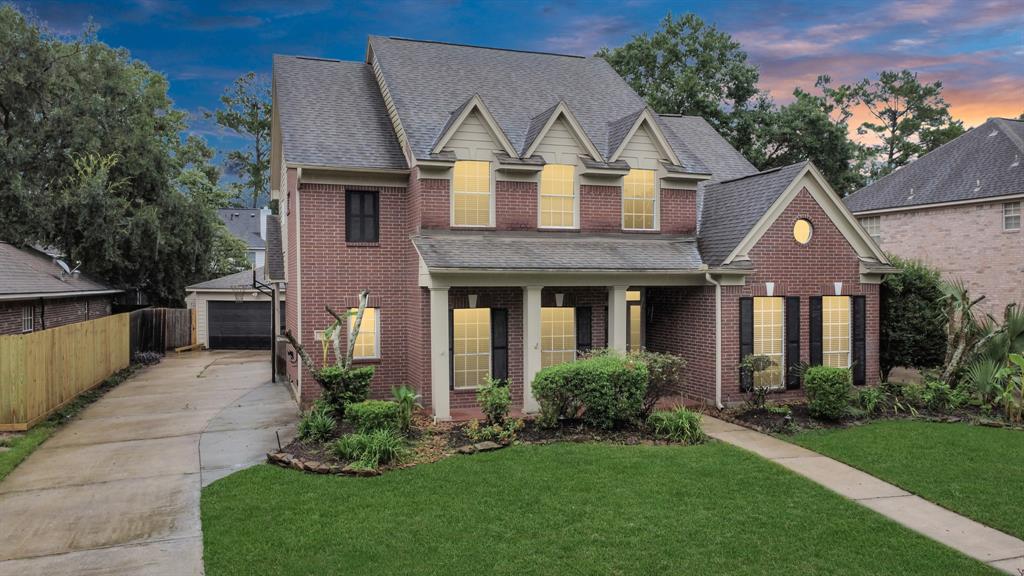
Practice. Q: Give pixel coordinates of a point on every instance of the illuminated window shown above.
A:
(557, 336)
(1011, 216)
(369, 334)
(802, 231)
(835, 331)
(635, 320)
(557, 197)
(472, 346)
(873, 226)
(638, 200)
(768, 339)
(28, 318)
(471, 193)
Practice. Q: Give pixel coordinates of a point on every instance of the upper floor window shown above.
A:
(1011, 216)
(639, 200)
(873, 226)
(471, 193)
(28, 318)
(557, 196)
(362, 216)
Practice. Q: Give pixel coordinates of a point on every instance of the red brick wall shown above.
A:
(428, 205)
(678, 211)
(515, 205)
(53, 313)
(682, 321)
(601, 208)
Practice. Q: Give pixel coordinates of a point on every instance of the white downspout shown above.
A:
(718, 340)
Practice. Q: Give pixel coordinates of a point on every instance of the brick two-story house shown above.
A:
(508, 209)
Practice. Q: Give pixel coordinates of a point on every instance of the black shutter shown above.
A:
(451, 349)
(499, 343)
(584, 332)
(746, 338)
(362, 216)
(858, 318)
(792, 341)
(814, 330)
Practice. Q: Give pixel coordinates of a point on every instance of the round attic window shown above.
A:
(802, 231)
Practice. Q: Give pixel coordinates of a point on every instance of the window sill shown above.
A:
(556, 229)
(465, 390)
(462, 227)
(636, 231)
(1011, 231)
(363, 244)
(366, 360)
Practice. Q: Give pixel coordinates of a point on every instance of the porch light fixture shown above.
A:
(559, 298)
(472, 300)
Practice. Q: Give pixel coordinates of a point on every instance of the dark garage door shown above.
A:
(239, 325)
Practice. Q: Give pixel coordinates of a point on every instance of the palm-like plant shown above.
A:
(961, 328)
(407, 400)
(986, 375)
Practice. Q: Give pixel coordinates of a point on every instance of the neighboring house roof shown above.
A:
(30, 273)
(732, 208)
(699, 138)
(274, 265)
(985, 162)
(227, 282)
(332, 114)
(244, 224)
(450, 250)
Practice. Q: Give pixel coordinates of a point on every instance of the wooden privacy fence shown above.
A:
(44, 370)
(162, 329)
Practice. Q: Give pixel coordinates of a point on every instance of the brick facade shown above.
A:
(52, 313)
(966, 242)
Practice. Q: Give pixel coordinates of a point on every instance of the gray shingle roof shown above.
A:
(732, 207)
(332, 114)
(30, 272)
(546, 251)
(229, 281)
(274, 263)
(986, 162)
(244, 224)
(697, 137)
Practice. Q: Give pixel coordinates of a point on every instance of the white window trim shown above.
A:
(657, 207)
(782, 340)
(28, 318)
(376, 338)
(492, 191)
(575, 201)
(488, 354)
(1007, 216)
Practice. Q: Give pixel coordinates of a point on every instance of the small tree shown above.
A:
(913, 318)
(750, 367)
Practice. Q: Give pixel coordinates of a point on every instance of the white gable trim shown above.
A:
(812, 179)
(659, 137)
(476, 103)
(562, 110)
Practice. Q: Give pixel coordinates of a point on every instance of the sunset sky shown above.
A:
(976, 47)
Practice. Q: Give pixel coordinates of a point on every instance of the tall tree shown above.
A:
(246, 111)
(690, 67)
(909, 117)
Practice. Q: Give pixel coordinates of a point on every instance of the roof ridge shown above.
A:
(1015, 138)
(461, 45)
(761, 173)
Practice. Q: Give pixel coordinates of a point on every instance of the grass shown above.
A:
(22, 445)
(973, 470)
(558, 509)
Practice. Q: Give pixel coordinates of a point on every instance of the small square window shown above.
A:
(1011, 216)
(362, 220)
(28, 314)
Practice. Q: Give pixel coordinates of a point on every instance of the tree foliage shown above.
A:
(246, 112)
(913, 320)
(92, 161)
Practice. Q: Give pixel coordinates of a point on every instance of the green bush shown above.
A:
(351, 446)
(871, 400)
(318, 424)
(495, 400)
(503, 433)
(407, 400)
(665, 376)
(608, 388)
(370, 449)
(937, 396)
(828, 391)
(370, 415)
(680, 425)
(344, 386)
(913, 326)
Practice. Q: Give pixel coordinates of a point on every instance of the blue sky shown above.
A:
(976, 47)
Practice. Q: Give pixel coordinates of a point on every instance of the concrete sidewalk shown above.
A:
(995, 548)
(116, 491)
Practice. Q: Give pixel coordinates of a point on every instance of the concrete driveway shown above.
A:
(117, 490)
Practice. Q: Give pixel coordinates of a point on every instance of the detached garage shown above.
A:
(231, 314)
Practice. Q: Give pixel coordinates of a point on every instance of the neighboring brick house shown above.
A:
(508, 209)
(36, 293)
(958, 208)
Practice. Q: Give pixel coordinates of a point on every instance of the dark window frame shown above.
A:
(358, 218)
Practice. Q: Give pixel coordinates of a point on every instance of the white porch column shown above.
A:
(617, 325)
(531, 345)
(439, 361)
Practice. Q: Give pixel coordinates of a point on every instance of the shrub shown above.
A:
(383, 446)
(407, 400)
(871, 400)
(370, 415)
(351, 446)
(828, 391)
(665, 376)
(609, 388)
(317, 425)
(937, 396)
(495, 400)
(680, 425)
(913, 325)
(344, 386)
(501, 433)
(984, 377)
(750, 367)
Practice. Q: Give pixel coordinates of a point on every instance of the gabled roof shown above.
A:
(645, 117)
(543, 122)
(31, 273)
(332, 114)
(274, 267)
(228, 282)
(985, 162)
(244, 224)
(698, 144)
(459, 115)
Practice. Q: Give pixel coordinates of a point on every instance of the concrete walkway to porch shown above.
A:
(116, 491)
(995, 548)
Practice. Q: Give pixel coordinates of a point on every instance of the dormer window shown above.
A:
(557, 196)
(471, 193)
(639, 200)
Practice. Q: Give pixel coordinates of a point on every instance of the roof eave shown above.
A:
(50, 295)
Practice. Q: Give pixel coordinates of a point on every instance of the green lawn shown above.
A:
(558, 509)
(973, 470)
